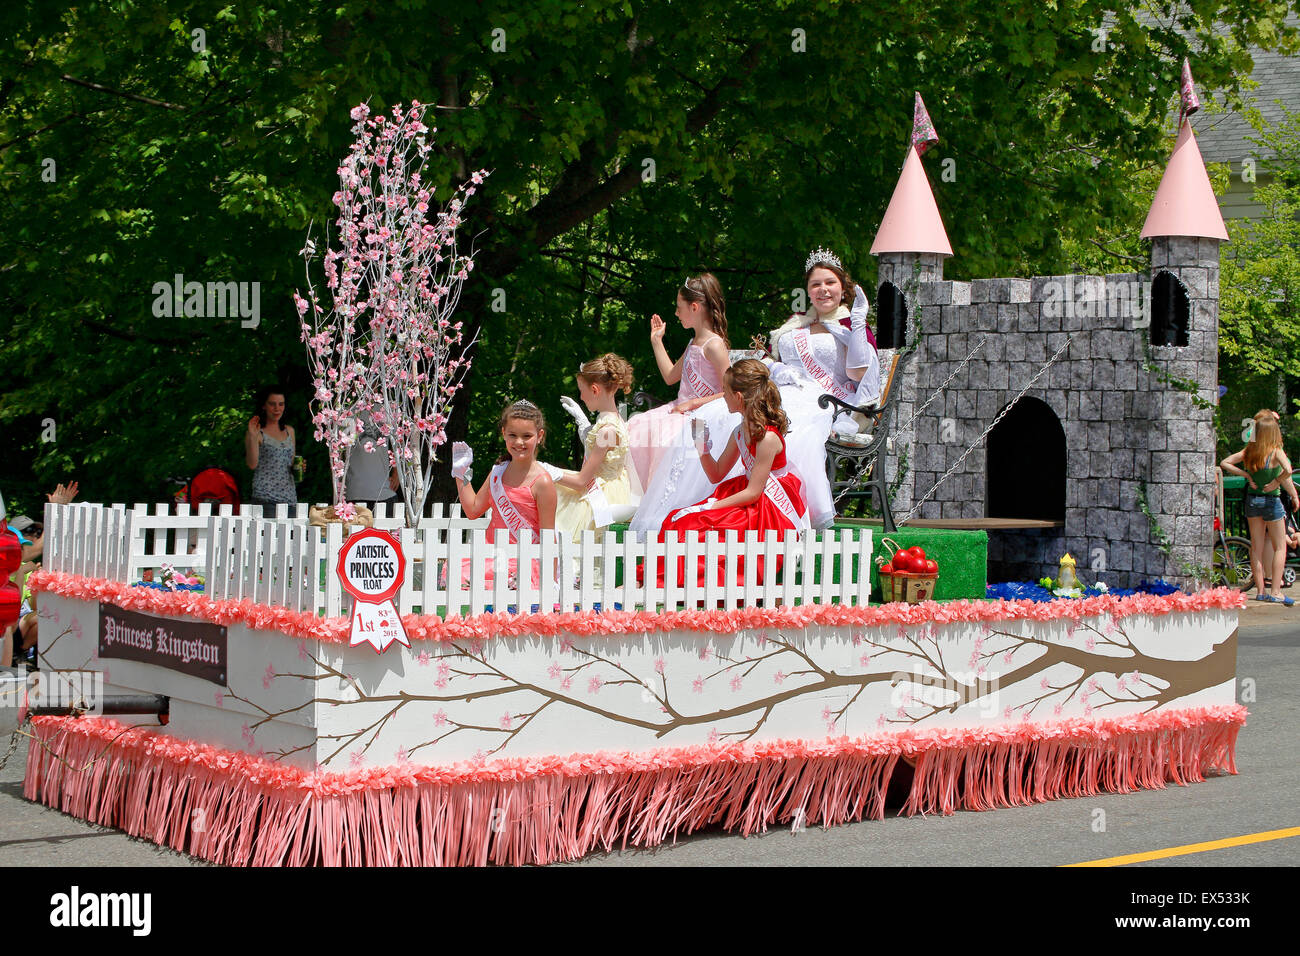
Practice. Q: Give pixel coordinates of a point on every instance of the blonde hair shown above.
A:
(706, 288)
(1268, 439)
(750, 378)
(609, 371)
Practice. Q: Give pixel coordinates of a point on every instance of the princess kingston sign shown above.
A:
(185, 646)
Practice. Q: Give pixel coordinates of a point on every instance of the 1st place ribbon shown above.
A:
(371, 568)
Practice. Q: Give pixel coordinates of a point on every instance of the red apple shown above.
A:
(886, 569)
(903, 562)
(931, 567)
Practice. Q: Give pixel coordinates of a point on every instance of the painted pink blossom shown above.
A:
(1092, 685)
(659, 665)
(247, 733)
(697, 685)
(864, 660)
(595, 684)
(554, 672)
(356, 759)
(440, 682)
(706, 653)
(506, 721)
(1043, 683)
(1123, 683)
(828, 715)
(566, 644)
(735, 683)
(857, 639)
(779, 677)
(1090, 643)
(1006, 658)
(267, 677)
(439, 718)
(713, 737)
(567, 682)
(900, 712)
(1006, 713)
(423, 658)
(1057, 710)
(401, 755)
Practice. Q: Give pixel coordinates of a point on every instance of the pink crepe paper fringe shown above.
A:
(301, 624)
(238, 810)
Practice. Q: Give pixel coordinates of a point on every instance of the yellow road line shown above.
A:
(1193, 848)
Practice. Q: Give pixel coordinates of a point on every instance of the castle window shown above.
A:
(891, 317)
(1170, 310)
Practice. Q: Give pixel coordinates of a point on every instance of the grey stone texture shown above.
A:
(1124, 426)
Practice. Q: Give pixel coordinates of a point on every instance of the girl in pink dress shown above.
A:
(768, 495)
(664, 461)
(519, 489)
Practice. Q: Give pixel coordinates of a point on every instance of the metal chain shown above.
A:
(1001, 415)
(902, 429)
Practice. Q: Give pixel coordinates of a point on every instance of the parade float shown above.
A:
(329, 705)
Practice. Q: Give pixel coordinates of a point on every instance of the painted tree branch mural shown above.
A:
(901, 677)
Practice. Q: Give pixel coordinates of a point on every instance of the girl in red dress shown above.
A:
(768, 495)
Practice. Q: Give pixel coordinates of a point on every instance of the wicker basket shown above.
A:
(910, 586)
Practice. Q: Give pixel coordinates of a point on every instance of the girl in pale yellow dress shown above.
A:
(601, 492)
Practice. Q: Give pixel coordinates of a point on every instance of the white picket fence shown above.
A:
(281, 560)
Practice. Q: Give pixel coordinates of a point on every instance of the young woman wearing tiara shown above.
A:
(518, 489)
(767, 495)
(815, 353)
(667, 468)
(590, 498)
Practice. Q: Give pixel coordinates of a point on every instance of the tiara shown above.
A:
(822, 256)
(524, 403)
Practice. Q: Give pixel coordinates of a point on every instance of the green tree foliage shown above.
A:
(630, 144)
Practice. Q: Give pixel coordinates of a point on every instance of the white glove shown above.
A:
(858, 345)
(554, 471)
(579, 417)
(462, 456)
(783, 374)
(682, 513)
(700, 435)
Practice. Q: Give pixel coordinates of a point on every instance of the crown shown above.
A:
(524, 403)
(820, 255)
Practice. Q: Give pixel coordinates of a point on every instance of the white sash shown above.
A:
(504, 506)
(693, 378)
(820, 373)
(602, 515)
(771, 488)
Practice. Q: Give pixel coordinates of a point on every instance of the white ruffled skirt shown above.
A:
(679, 480)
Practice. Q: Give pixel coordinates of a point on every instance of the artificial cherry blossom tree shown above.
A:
(388, 345)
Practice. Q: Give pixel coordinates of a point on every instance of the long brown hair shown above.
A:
(527, 411)
(749, 377)
(706, 288)
(847, 286)
(1268, 439)
(609, 371)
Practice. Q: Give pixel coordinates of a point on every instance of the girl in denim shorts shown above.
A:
(1267, 471)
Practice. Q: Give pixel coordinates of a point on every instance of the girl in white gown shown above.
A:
(663, 452)
(814, 354)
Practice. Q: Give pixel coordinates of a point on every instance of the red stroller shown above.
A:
(212, 485)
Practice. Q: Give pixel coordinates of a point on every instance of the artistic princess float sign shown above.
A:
(371, 569)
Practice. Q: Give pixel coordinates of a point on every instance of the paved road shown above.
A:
(1261, 797)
